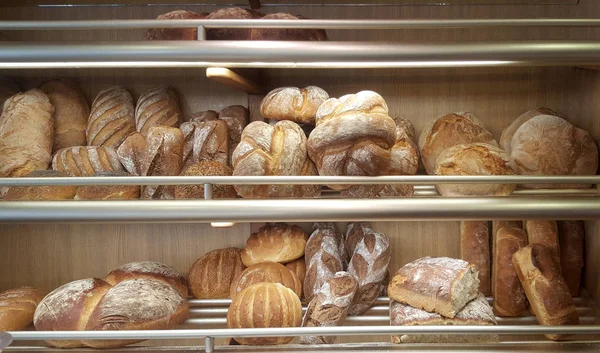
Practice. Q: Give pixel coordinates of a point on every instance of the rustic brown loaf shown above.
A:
(42, 192)
(285, 34)
(112, 118)
(176, 33)
(435, 284)
(271, 272)
(108, 192)
(26, 133)
(232, 13)
(265, 305)
(163, 157)
(205, 168)
(8, 88)
(292, 103)
(206, 140)
(330, 306)
(157, 107)
(474, 159)
(509, 296)
(86, 160)
(535, 151)
(450, 130)
(545, 233)
(212, 274)
(476, 312)
(236, 117)
(278, 242)
(571, 237)
(131, 153)
(148, 270)
(355, 232)
(496, 225)
(509, 131)
(273, 150)
(298, 267)
(475, 249)
(71, 113)
(546, 289)
(17, 307)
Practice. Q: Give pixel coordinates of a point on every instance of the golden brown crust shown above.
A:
(475, 249)
(271, 272)
(17, 307)
(176, 33)
(86, 160)
(292, 103)
(149, 270)
(112, 118)
(41, 193)
(509, 131)
(108, 192)
(163, 157)
(212, 274)
(206, 168)
(545, 233)
(298, 266)
(278, 242)
(571, 237)
(157, 107)
(509, 296)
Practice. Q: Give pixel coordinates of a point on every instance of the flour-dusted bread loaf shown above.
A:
(157, 107)
(288, 34)
(108, 192)
(545, 233)
(571, 238)
(476, 312)
(112, 118)
(546, 289)
(206, 168)
(265, 305)
(509, 131)
(41, 192)
(26, 133)
(8, 88)
(292, 103)
(354, 136)
(271, 272)
(212, 274)
(330, 306)
(435, 284)
(450, 130)
(355, 232)
(17, 307)
(131, 153)
(509, 295)
(149, 270)
(86, 160)
(474, 159)
(176, 33)
(549, 145)
(163, 157)
(232, 13)
(205, 140)
(236, 117)
(71, 113)
(277, 242)
(475, 249)
(278, 149)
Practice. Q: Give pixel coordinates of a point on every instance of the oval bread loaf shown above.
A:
(509, 131)
(149, 270)
(112, 118)
(157, 107)
(292, 103)
(211, 275)
(278, 242)
(17, 307)
(86, 160)
(176, 33)
(271, 272)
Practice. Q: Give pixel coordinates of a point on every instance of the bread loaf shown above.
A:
(435, 284)
(474, 159)
(292, 103)
(450, 130)
(278, 242)
(535, 151)
(271, 272)
(157, 107)
(131, 153)
(545, 233)
(509, 131)
(232, 13)
(212, 274)
(163, 157)
(355, 232)
(205, 141)
(509, 296)
(571, 237)
(298, 267)
(8, 88)
(285, 34)
(86, 160)
(111, 119)
(475, 249)
(108, 192)
(205, 168)
(26, 134)
(496, 225)
(273, 150)
(236, 117)
(42, 192)
(330, 306)
(476, 312)
(17, 307)
(546, 289)
(176, 33)
(264, 305)
(148, 270)
(71, 113)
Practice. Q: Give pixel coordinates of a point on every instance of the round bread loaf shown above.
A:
(148, 270)
(284, 34)
(232, 13)
(447, 131)
(108, 192)
(112, 118)
(292, 103)
(42, 192)
(206, 168)
(176, 33)
(271, 272)
(86, 160)
(509, 131)
(212, 274)
(157, 107)
(277, 242)
(474, 159)
(17, 307)
(549, 145)
(298, 267)
(265, 305)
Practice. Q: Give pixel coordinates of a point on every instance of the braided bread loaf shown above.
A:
(111, 119)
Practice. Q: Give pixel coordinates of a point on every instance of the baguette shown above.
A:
(571, 237)
(475, 249)
(545, 233)
(509, 297)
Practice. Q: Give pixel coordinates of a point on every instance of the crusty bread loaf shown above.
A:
(278, 242)
(535, 151)
(236, 117)
(435, 284)
(8, 88)
(278, 149)
(26, 133)
(509, 296)
(112, 118)
(271, 272)
(474, 159)
(204, 115)
(17, 307)
(292, 103)
(545, 233)
(148, 270)
(509, 131)
(298, 267)
(546, 289)
(163, 157)
(475, 249)
(176, 33)
(86, 160)
(206, 140)
(265, 305)
(232, 13)
(571, 237)
(42, 192)
(157, 107)
(496, 226)
(71, 113)
(205, 168)
(450, 130)
(476, 312)
(330, 306)
(212, 274)
(131, 153)
(108, 192)
(285, 34)
(355, 232)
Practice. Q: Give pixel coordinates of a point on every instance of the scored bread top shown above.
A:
(112, 118)
(212, 274)
(293, 103)
(278, 242)
(271, 272)
(149, 270)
